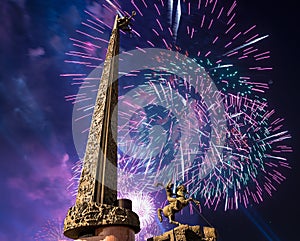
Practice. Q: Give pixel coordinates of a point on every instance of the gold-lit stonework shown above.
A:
(96, 206)
(86, 217)
(187, 233)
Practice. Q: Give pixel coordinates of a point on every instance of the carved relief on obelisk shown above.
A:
(97, 209)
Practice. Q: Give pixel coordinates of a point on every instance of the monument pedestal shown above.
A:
(187, 233)
(112, 233)
(93, 221)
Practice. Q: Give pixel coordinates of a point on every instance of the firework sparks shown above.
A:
(164, 120)
(143, 204)
(52, 230)
(252, 158)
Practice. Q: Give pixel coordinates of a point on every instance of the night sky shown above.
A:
(37, 149)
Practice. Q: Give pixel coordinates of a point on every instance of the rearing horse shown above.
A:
(176, 203)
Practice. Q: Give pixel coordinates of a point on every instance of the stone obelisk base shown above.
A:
(112, 233)
(91, 221)
(187, 233)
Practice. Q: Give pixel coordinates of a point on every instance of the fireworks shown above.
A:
(201, 119)
(250, 167)
(143, 204)
(74, 181)
(52, 230)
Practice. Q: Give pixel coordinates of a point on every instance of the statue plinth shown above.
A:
(89, 218)
(187, 233)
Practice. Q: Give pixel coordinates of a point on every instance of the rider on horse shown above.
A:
(176, 203)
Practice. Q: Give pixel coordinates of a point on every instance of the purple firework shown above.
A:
(52, 230)
(174, 121)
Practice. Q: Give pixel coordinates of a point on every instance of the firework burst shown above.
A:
(170, 131)
(52, 230)
(143, 204)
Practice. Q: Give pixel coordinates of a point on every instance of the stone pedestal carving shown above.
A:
(187, 233)
(87, 218)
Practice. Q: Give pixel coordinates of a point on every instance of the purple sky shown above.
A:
(37, 150)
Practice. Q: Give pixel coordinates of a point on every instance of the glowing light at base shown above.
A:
(143, 205)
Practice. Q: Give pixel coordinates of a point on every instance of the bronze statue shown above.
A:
(177, 201)
(124, 23)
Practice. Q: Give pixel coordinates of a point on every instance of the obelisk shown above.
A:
(97, 214)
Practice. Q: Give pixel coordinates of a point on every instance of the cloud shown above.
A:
(48, 178)
(35, 122)
(38, 189)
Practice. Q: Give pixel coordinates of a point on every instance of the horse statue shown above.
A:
(177, 201)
